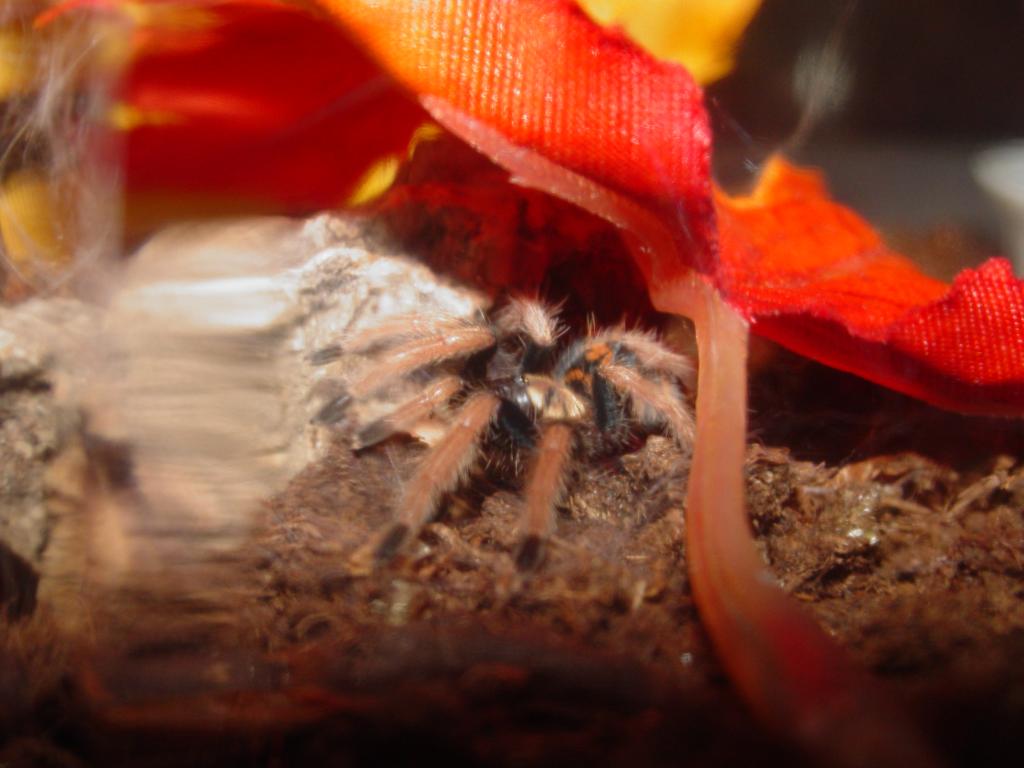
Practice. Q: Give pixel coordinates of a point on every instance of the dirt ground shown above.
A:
(900, 527)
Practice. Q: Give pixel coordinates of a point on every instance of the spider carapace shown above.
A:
(512, 385)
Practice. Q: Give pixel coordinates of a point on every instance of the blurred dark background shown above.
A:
(949, 69)
(893, 98)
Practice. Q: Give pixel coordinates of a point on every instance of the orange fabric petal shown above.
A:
(549, 80)
(817, 278)
(789, 249)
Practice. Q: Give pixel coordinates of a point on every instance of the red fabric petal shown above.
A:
(259, 101)
(277, 104)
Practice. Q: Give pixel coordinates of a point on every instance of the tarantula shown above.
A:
(514, 389)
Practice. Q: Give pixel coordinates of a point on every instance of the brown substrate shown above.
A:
(899, 527)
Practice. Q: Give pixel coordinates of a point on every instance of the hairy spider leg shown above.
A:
(649, 396)
(440, 471)
(545, 484)
(405, 327)
(406, 416)
(532, 317)
(612, 363)
(443, 343)
(579, 368)
(425, 342)
(650, 353)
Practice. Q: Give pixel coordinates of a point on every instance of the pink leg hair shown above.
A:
(401, 360)
(656, 396)
(406, 416)
(437, 473)
(405, 328)
(650, 353)
(544, 487)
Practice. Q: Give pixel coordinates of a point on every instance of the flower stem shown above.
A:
(795, 677)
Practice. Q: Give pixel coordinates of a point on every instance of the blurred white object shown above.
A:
(147, 430)
(1000, 172)
(206, 371)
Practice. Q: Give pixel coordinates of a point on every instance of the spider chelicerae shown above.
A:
(515, 389)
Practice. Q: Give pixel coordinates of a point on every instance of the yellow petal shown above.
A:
(17, 63)
(381, 175)
(376, 181)
(32, 224)
(699, 34)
